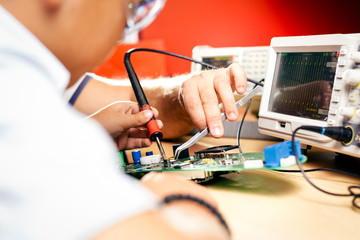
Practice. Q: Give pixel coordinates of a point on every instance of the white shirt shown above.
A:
(59, 177)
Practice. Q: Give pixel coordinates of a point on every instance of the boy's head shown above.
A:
(80, 33)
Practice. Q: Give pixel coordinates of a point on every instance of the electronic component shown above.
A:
(218, 151)
(183, 154)
(255, 164)
(289, 161)
(313, 80)
(277, 155)
(150, 159)
(136, 155)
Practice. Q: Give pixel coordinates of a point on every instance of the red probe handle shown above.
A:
(152, 125)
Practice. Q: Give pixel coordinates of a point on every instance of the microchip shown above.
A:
(215, 152)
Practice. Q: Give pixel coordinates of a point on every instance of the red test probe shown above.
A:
(155, 133)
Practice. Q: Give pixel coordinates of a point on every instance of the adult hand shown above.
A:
(126, 124)
(201, 95)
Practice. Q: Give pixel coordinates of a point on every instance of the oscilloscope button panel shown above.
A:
(346, 90)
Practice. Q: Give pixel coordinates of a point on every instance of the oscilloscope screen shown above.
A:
(303, 83)
(220, 62)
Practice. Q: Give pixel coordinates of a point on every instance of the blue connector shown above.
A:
(275, 152)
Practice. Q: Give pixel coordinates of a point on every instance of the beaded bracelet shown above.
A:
(177, 197)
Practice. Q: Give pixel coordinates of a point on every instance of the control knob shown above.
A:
(348, 112)
(352, 77)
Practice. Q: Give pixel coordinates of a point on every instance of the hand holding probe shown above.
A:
(206, 131)
(154, 130)
(155, 133)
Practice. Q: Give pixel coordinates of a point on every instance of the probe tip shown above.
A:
(161, 149)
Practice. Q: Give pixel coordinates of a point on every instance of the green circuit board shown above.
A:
(213, 163)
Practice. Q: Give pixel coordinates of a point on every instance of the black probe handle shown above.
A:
(152, 126)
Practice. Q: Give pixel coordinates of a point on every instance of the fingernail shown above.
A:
(159, 123)
(148, 114)
(241, 89)
(232, 116)
(217, 131)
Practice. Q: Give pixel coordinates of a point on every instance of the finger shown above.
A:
(223, 88)
(135, 120)
(125, 142)
(155, 111)
(126, 107)
(159, 123)
(210, 104)
(192, 102)
(238, 77)
(137, 143)
(138, 133)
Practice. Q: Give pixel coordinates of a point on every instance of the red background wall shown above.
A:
(184, 24)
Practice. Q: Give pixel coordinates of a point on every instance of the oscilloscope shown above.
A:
(313, 80)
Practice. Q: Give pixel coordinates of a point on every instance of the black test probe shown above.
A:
(155, 133)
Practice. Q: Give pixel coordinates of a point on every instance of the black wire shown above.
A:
(185, 58)
(241, 124)
(350, 194)
(243, 118)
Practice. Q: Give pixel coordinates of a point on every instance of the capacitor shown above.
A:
(136, 156)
